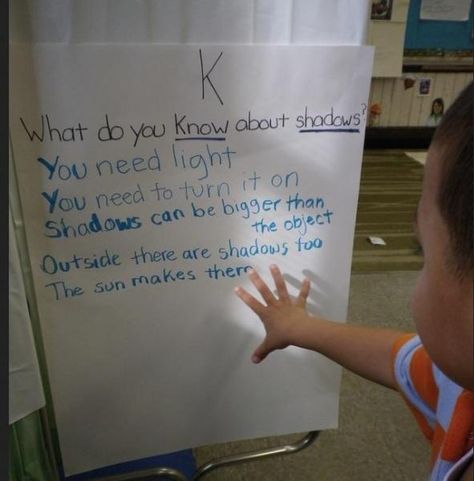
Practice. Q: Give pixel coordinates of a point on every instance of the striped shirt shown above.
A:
(444, 410)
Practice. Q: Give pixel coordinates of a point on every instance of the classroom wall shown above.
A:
(387, 35)
(402, 107)
(397, 105)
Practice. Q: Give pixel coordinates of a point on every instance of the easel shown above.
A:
(173, 474)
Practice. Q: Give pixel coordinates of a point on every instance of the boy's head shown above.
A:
(453, 140)
(443, 298)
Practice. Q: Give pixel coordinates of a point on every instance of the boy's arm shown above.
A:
(363, 350)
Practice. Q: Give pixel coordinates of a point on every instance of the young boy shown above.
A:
(434, 369)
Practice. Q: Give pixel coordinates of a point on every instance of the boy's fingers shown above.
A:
(279, 283)
(255, 305)
(303, 294)
(260, 285)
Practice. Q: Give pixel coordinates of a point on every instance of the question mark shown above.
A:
(364, 106)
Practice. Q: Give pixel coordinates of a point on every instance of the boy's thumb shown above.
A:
(260, 353)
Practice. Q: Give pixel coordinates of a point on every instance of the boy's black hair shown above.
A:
(454, 141)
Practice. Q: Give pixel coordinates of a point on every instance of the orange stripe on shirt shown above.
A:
(403, 339)
(436, 443)
(457, 441)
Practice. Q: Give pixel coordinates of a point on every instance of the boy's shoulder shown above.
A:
(416, 378)
(442, 408)
(419, 378)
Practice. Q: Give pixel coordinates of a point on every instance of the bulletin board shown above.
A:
(445, 35)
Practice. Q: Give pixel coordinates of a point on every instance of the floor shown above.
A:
(377, 438)
(389, 192)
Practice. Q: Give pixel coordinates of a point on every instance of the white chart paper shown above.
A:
(151, 179)
(338, 22)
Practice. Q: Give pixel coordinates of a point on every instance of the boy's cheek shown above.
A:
(419, 305)
(415, 298)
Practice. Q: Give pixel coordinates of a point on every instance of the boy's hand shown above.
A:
(279, 315)
(366, 351)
